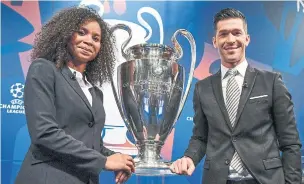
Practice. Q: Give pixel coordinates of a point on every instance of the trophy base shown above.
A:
(153, 169)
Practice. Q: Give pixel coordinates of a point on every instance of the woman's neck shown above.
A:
(78, 67)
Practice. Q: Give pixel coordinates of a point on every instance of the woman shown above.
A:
(64, 109)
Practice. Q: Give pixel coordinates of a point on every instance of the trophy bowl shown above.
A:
(150, 97)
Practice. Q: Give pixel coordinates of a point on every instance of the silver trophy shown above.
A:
(151, 96)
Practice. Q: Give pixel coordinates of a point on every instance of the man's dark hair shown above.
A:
(229, 13)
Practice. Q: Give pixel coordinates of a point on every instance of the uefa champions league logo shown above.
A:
(17, 90)
(16, 106)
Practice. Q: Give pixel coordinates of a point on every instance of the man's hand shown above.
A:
(118, 161)
(121, 176)
(183, 166)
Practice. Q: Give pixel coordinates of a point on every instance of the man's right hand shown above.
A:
(120, 161)
(183, 166)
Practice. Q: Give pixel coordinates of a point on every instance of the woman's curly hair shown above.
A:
(52, 41)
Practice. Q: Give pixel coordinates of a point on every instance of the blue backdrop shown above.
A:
(277, 43)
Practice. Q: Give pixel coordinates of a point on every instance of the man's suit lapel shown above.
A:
(67, 74)
(248, 84)
(218, 92)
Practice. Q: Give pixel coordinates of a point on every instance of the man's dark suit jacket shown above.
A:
(265, 126)
(65, 130)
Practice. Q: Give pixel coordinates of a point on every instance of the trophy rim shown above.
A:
(134, 60)
(155, 45)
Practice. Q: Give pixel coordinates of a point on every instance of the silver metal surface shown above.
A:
(151, 96)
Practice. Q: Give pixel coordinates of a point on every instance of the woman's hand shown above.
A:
(118, 162)
(121, 176)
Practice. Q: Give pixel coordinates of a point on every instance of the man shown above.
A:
(243, 118)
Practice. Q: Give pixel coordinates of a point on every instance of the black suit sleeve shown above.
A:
(198, 142)
(286, 131)
(105, 151)
(44, 131)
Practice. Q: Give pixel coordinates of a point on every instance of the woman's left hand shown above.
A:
(121, 176)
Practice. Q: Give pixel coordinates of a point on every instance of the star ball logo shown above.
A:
(17, 90)
(16, 106)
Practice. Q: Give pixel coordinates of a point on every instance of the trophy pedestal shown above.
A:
(152, 168)
(153, 175)
(149, 161)
(152, 172)
(150, 180)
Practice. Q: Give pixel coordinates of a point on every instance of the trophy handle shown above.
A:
(118, 103)
(125, 43)
(115, 93)
(179, 54)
